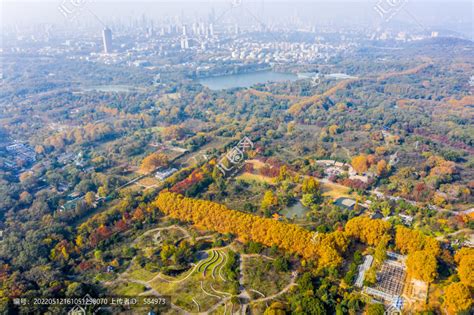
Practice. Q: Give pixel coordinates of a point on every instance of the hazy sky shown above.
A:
(445, 13)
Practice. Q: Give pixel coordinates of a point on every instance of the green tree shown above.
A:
(269, 200)
(89, 198)
(277, 308)
(375, 309)
(310, 186)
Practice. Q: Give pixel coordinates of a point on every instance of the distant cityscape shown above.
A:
(203, 47)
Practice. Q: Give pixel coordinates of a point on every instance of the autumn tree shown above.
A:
(174, 132)
(89, 198)
(291, 127)
(39, 149)
(310, 186)
(277, 308)
(422, 265)
(465, 260)
(409, 241)
(326, 249)
(153, 161)
(367, 230)
(382, 168)
(283, 173)
(360, 164)
(333, 130)
(308, 200)
(457, 298)
(466, 270)
(380, 254)
(463, 252)
(269, 200)
(26, 197)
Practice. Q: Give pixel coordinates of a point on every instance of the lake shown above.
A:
(245, 80)
(297, 210)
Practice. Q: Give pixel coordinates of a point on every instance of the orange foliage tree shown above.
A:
(422, 265)
(154, 160)
(409, 241)
(465, 260)
(457, 298)
(326, 249)
(367, 230)
(360, 164)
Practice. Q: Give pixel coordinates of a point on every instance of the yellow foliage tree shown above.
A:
(422, 265)
(326, 249)
(457, 298)
(89, 198)
(367, 230)
(269, 200)
(310, 186)
(382, 168)
(463, 252)
(465, 260)
(409, 241)
(360, 164)
(154, 160)
(333, 130)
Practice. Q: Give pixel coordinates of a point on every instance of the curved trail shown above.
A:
(150, 290)
(206, 261)
(442, 237)
(209, 294)
(220, 292)
(224, 297)
(213, 261)
(222, 267)
(185, 232)
(284, 290)
(197, 304)
(218, 265)
(258, 292)
(160, 276)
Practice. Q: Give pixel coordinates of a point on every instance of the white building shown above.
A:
(162, 175)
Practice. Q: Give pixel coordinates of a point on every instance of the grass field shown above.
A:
(249, 177)
(192, 158)
(138, 273)
(256, 164)
(148, 182)
(335, 191)
(128, 289)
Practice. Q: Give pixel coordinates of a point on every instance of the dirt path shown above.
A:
(215, 306)
(292, 283)
(442, 237)
(185, 232)
(222, 266)
(209, 294)
(244, 293)
(160, 276)
(150, 290)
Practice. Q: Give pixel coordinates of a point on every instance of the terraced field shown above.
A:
(201, 288)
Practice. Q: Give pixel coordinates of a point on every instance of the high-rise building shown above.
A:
(184, 43)
(211, 29)
(107, 38)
